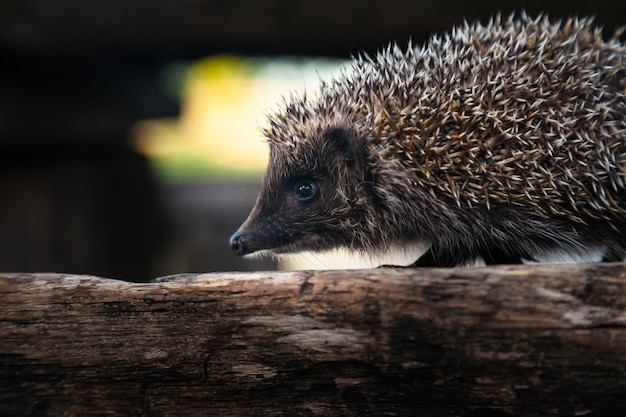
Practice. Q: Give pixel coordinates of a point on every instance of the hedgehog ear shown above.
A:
(350, 149)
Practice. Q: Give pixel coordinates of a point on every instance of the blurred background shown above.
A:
(129, 129)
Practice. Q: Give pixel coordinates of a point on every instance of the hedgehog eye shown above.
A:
(305, 190)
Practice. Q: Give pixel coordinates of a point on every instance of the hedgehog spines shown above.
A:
(520, 114)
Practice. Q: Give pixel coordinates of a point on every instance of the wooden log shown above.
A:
(493, 341)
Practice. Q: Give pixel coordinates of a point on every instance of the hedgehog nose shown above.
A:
(238, 244)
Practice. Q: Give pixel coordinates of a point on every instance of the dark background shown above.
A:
(76, 75)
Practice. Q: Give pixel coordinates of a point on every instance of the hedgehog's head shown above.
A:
(312, 189)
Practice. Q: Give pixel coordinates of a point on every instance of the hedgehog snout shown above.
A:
(238, 244)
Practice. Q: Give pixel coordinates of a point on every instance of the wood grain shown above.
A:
(493, 341)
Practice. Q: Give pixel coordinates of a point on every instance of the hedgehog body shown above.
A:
(501, 141)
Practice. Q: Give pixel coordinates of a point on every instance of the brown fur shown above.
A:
(501, 141)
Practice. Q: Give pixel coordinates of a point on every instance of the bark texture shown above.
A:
(494, 341)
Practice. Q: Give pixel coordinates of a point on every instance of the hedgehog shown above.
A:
(503, 141)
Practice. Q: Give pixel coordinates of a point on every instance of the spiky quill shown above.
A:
(501, 141)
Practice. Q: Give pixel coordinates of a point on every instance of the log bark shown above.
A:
(535, 340)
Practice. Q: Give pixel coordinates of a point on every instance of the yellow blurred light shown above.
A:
(220, 114)
(223, 105)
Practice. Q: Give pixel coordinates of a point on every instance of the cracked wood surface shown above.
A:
(498, 341)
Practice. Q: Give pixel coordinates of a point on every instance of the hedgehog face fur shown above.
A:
(501, 141)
